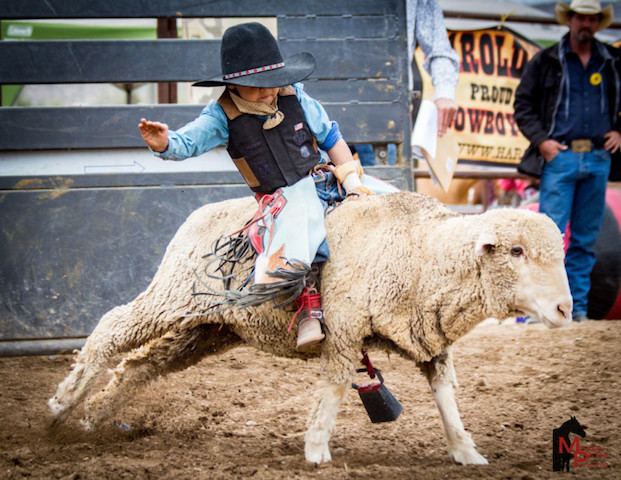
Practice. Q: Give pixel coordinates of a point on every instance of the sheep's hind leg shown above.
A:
(176, 350)
(110, 337)
(442, 379)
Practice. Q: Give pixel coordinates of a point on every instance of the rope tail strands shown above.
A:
(253, 264)
(235, 259)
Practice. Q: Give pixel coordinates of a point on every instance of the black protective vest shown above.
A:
(274, 158)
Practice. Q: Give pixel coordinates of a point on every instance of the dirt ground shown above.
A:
(242, 414)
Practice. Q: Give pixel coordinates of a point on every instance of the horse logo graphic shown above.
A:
(561, 448)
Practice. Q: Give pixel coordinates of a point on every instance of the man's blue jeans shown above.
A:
(573, 189)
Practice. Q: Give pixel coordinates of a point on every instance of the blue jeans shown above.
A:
(573, 189)
(366, 154)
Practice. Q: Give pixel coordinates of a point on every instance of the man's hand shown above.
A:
(612, 141)
(447, 109)
(550, 148)
(155, 134)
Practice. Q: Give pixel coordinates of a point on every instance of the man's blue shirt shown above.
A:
(583, 111)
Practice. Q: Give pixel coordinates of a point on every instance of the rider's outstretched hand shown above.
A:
(155, 134)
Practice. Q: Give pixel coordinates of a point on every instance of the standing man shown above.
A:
(567, 105)
(425, 28)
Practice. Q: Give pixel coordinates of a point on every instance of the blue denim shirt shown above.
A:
(210, 129)
(583, 111)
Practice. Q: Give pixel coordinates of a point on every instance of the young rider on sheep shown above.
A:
(278, 138)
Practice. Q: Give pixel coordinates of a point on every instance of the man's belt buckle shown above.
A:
(581, 145)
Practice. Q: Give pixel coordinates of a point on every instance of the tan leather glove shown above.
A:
(349, 175)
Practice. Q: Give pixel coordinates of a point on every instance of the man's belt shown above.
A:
(585, 145)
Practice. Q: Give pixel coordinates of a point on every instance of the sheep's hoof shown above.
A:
(58, 410)
(467, 456)
(87, 425)
(317, 453)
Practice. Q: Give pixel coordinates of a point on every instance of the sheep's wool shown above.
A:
(406, 274)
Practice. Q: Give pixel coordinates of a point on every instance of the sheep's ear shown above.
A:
(485, 242)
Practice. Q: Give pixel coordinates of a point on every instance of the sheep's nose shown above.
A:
(565, 309)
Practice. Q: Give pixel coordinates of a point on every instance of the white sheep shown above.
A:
(406, 274)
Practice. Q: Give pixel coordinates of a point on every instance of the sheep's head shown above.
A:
(527, 248)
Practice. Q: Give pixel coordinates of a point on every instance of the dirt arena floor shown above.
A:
(242, 415)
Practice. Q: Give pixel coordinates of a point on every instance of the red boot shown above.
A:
(310, 317)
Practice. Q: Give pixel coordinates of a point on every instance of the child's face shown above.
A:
(255, 94)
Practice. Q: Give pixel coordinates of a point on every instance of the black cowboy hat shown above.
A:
(251, 58)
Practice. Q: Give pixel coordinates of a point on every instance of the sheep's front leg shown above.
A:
(322, 421)
(338, 357)
(442, 379)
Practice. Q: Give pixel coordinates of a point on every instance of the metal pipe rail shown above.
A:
(488, 174)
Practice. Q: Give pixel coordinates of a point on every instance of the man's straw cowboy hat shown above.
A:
(585, 7)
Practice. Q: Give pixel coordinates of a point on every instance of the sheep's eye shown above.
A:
(517, 251)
